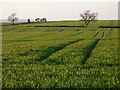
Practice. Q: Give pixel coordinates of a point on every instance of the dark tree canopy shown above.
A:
(41, 20)
(37, 19)
(28, 20)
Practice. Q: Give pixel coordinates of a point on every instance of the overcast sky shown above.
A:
(59, 9)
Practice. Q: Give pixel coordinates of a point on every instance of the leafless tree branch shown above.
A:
(12, 18)
(87, 17)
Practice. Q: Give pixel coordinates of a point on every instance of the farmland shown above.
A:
(57, 55)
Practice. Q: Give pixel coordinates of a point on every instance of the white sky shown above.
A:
(59, 9)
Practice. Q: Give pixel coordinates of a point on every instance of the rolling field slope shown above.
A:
(60, 57)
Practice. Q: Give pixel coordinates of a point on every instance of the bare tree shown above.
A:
(87, 17)
(12, 18)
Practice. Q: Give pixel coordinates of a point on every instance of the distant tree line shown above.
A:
(87, 17)
(41, 20)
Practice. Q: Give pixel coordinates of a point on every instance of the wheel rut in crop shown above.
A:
(111, 23)
(50, 50)
(76, 34)
(95, 34)
(90, 47)
(39, 35)
(36, 36)
(24, 30)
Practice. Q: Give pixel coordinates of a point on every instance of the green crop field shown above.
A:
(57, 55)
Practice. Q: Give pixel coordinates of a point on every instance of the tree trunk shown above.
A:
(13, 22)
(86, 24)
